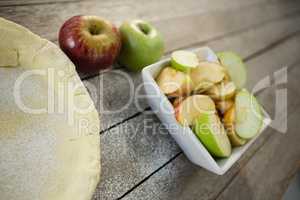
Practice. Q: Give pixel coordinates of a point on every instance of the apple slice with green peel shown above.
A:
(249, 118)
(206, 74)
(224, 105)
(174, 82)
(235, 67)
(222, 91)
(193, 106)
(212, 134)
(229, 123)
(184, 60)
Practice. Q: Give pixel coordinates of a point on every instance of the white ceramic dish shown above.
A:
(184, 136)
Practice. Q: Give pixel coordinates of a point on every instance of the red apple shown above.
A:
(91, 42)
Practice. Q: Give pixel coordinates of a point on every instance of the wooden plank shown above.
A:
(131, 152)
(7, 3)
(45, 23)
(118, 180)
(202, 27)
(199, 183)
(154, 4)
(116, 84)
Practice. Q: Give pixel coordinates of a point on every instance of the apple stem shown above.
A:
(144, 28)
(94, 30)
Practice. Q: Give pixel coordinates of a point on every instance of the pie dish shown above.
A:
(49, 127)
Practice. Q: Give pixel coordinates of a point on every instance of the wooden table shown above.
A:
(139, 159)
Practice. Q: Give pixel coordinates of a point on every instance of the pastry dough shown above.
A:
(49, 127)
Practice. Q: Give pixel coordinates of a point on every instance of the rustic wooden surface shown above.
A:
(144, 162)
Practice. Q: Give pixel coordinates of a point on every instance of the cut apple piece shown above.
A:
(206, 74)
(177, 101)
(222, 91)
(202, 87)
(193, 106)
(226, 76)
(249, 118)
(235, 67)
(211, 133)
(184, 60)
(224, 105)
(174, 82)
(185, 89)
(229, 123)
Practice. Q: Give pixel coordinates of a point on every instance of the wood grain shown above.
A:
(45, 23)
(10, 3)
(122, 174)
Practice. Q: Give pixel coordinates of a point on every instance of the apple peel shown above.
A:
(211, 133)
(184, 60)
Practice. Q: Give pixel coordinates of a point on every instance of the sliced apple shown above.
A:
(202, 87)
(224, 105)
(235, 67)
(229, 123)
(193, 106)
(174, 82)
(184, 60)
(177, 101)
(206, 74)
(208, 71)
(249, 118)
(222, 91)
(226, 76)
(211, 133)
(185, 89)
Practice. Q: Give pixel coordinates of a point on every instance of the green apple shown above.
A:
(229, 123)
(211, 133)
(184, 60)
(249, 118)
(142, 45)
(235, 67)
(173, 82)
(192, 107)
